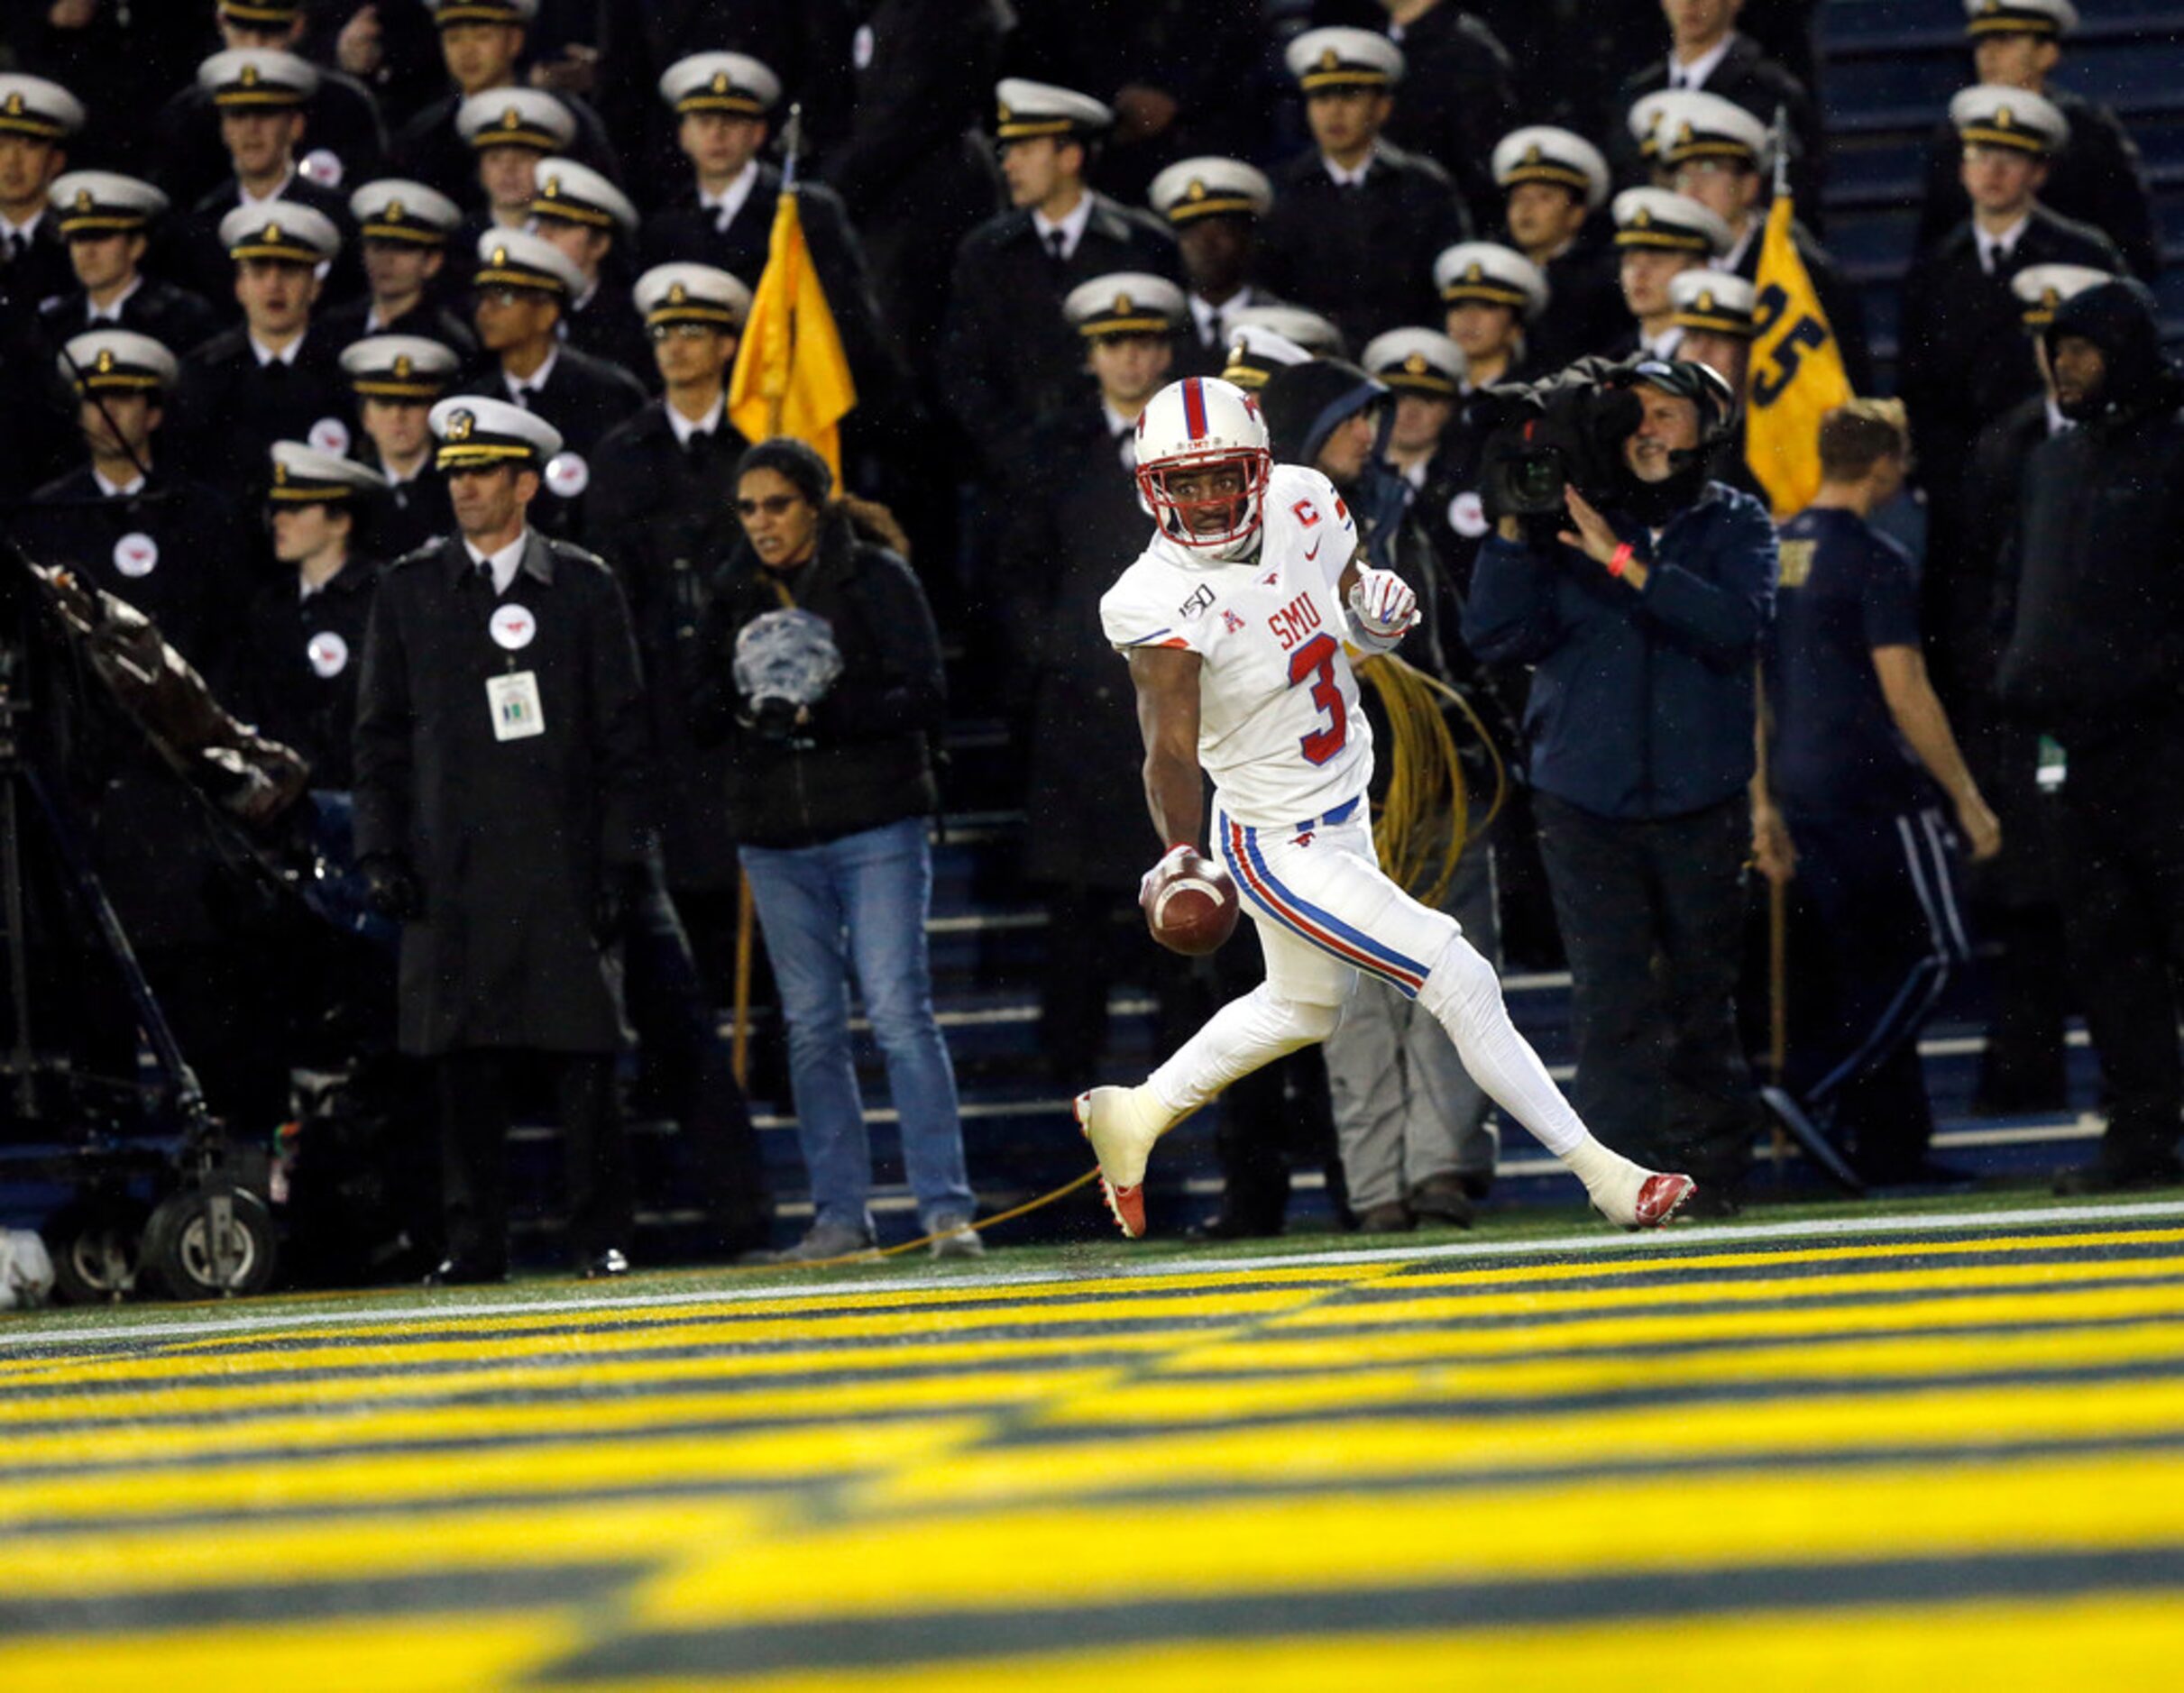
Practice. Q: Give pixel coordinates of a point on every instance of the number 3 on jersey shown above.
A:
(1316, 658)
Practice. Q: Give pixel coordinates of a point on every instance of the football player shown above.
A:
(1238, 621)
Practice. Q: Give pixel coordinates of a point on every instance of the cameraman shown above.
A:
(830, 792)
(1643, 621)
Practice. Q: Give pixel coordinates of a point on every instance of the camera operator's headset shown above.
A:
(1702, 385)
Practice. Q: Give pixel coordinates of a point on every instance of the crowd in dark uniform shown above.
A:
(261, 241)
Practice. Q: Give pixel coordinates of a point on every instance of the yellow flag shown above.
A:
(790, 377)
(1796, 372)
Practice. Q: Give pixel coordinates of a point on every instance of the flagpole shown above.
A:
(791, 143)
(1779, 893)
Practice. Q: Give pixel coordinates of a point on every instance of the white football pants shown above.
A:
(1325, 912)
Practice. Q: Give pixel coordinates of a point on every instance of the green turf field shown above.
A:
(1932, 1447)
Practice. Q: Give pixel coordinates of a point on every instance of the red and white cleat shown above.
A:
(1659, 1198)
(1126, 1205)
(1632, 1196)
(1121, 1123)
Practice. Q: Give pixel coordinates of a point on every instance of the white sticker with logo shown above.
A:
(567, 474)
(514, 628)
(323, 167)
(1467, 515)
(328, 654)
(136, 554)
(860, 47)
(330, 435)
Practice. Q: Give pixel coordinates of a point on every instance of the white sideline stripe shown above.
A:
(976, 922)
(1597, 1239)
(993, 1016)
(2088, 1127)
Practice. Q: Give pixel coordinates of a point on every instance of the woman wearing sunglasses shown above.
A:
(820, 669)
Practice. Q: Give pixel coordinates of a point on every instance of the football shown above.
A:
(1190, 905)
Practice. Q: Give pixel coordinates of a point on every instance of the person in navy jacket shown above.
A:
(1643, 623)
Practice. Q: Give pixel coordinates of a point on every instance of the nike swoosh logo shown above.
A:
(1313, 554)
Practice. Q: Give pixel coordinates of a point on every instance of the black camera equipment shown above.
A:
(108, 1136)
(1568, 431)
(69, 655)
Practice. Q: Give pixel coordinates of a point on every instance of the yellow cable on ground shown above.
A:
(1424, 825)
(873, 1254)
(1024, 1210)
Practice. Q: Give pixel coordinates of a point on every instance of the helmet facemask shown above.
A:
(1221, 523)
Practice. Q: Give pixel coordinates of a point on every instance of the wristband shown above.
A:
(1619, 561)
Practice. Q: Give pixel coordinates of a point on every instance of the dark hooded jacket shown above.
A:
(2093, 583)
(863, 760)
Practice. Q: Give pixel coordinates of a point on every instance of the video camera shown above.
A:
(1569, 429)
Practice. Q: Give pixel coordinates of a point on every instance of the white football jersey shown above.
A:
(1280, 730)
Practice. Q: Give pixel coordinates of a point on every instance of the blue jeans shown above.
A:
(859, 903)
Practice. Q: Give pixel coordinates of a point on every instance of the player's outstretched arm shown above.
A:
(1167, 682)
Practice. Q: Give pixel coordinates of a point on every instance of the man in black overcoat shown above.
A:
(2093, 596)
(501, 744)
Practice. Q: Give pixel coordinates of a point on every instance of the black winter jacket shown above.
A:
(864, 759)
(2094, 582)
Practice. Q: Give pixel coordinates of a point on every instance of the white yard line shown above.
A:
(1601, 1239)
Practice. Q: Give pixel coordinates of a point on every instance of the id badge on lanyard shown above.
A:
(517, 712)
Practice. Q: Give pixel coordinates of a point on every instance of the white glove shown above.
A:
(1383, 609)
(1145, 883)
